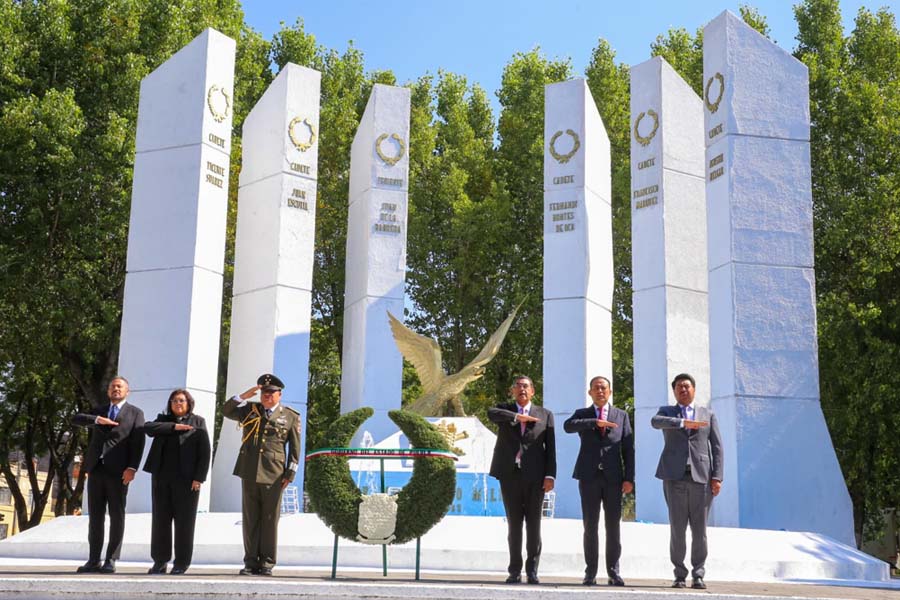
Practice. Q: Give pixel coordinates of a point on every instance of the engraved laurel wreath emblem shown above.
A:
(214, 99)
(390, 160)
(298, 144)
(713, 106)
(564, 158)
(641, 139)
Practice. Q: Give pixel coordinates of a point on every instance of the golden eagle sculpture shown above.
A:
(442, 393)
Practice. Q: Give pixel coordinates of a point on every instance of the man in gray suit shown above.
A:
(691, 469)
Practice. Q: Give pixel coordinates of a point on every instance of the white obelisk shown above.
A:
(273, 269)
(668, 258)
(171, 315)
(781, 471)
(578, 266)
(371, 369)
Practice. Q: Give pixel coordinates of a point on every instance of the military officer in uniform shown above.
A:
(267, 462)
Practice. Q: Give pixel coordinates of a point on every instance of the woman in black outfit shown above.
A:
(179, 460)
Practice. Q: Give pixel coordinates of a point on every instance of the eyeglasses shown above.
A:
(179, 400)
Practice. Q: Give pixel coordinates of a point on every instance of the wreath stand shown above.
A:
(381, 454)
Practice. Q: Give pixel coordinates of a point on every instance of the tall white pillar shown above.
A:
(781, 471)
(371, 369)
(578, 266)
(176, 238)
(668, 259)
(273, 268)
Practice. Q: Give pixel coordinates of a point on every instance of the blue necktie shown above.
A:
(113, 412)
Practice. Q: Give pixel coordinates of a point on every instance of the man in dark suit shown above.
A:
(691, 468)
(604, 470)
(525, 463)
(112, 458)
(267, 463)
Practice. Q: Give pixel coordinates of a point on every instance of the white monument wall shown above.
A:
(371, 366)
(171, 312)
(763, 345)
(274, 245)
(578, 266)
(669, 273)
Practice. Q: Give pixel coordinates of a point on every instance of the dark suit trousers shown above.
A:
(594, 492)
(105, 491)
(173, 502)
(688, 503)
(261, 508)
(523, 500)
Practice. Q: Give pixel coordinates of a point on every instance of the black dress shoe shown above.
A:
(157, 569)
(109, 566)
(267, 571)
(514, 579)
(249, 571)
(179, 570)
(698, 584)
(532, 578)
(678, 583)
(589, 581)
(89, 567)
(616, 581)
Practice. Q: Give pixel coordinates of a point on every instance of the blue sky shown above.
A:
(478, 38)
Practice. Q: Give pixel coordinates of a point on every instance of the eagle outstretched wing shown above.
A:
(424, 354)
(492, 346)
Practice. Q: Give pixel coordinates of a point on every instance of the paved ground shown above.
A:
(28, 581)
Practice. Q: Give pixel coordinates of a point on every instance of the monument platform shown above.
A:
(55, 579)
(470, 548)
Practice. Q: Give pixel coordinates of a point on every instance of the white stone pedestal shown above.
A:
(781, 471)
(578, 266)
(176, 240)
(371, 369)
(668, 241)
(276, 225)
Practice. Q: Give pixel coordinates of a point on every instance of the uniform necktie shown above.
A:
(268, 413)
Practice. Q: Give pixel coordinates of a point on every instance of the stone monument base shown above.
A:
(478, 545)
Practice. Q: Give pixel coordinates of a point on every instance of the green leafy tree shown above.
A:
(69, 84)
(855, 113)
(519, 230)
(451, 277)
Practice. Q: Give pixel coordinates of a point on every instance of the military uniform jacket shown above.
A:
(270, 447)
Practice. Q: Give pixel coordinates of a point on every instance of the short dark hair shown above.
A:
(682, 377)
(593, 379)
(119, 377)
(520, 377)
(187, 396)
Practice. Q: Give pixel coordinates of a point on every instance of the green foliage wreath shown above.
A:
(421, 504)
